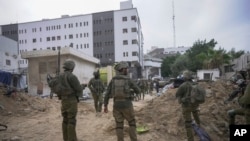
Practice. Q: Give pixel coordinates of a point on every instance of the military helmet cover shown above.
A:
(121, 65)
(69, 65)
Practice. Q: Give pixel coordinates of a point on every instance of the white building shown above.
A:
(175, 50)
(209, 74)
(110, 36)
(44, 62)
(152, 67)
(8, 54)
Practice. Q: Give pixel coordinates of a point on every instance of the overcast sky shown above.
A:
(226, 21)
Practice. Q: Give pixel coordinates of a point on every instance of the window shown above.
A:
(48, 38)
(125, 30)
(8, 62)
(34, 40)
(134, 53)
(134, 41)
(58, 37)
(53, 38)
(125, 42)
(71, 36)
(124, 19)
(133, 29)
(133, 18)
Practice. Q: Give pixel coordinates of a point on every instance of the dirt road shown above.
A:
(44, 124)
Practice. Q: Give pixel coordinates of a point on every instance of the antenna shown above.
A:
(173, 24)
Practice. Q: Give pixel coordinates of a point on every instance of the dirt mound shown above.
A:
(163, 114)
(33, 118)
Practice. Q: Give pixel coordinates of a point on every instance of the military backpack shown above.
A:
(60, 85)
(120, 89)
(197, 95)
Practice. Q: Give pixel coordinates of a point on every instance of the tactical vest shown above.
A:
(98, 86)
(120, 89)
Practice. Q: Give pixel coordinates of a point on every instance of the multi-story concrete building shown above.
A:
(110, 36)
(164, 52)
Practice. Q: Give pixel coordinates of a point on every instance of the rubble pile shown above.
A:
(163, 114)
(20, 103)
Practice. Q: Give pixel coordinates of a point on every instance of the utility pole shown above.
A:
(173, 25)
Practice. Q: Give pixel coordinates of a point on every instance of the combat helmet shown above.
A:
(69, 65)
(187, 75)
(121, 65)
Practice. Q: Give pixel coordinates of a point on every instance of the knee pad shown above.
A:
(119, 125)
(188, 124)
(132, 123)
(72, 121)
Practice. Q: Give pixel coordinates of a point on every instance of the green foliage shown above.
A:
(180, 64)
(166, 65)
(197, 54)
(201, 55)
(234, 55)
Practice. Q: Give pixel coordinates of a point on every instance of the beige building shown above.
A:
(43, 62)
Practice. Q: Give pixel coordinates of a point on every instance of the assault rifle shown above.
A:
(57, 71)
(240, 90)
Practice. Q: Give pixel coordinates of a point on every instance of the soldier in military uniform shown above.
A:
(120, 89)
(244, 102)
(97, 88)
(69, 102)
(187, 107)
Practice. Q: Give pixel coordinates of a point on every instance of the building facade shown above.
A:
(44, 62)
(110, 36)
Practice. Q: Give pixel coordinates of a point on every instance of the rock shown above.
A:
(15, 138)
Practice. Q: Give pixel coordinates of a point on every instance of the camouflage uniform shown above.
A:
(244, 110)
(69, 103)
(97, 88)
(187, 108)
(123, 107)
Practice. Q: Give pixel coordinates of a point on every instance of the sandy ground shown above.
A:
(44, 124)
(32, 118)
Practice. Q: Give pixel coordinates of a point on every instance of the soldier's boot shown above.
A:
(132, 130)
(190, 135)
(119, 131)
(231, 115)
(132, 133)
(72, 130)
(196, 117)
(96, 106)
(119, 134)
(65, 130)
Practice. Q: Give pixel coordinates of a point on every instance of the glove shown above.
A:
(105, 109)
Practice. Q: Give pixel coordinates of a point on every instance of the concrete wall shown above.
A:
(40, 66)
(215, 73)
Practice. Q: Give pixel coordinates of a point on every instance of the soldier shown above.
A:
(69, 102)
(97, 88)
(120, 89)
(187, 107)
(244, 102)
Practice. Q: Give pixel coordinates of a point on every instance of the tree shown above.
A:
(233, 54)
(196, 54)
(180, 64)
(214, 58)
(166, 65)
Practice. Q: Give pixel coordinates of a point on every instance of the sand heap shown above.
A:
(21, 103)
(163, 114)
